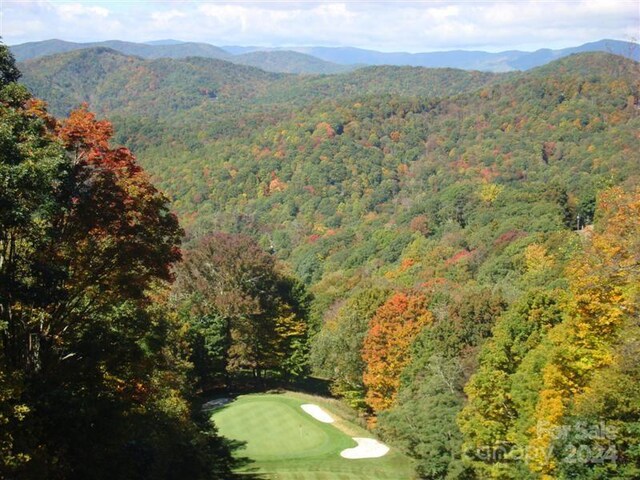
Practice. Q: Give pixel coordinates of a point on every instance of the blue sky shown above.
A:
(419, 25)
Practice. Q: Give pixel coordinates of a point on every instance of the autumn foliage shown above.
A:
(92, 360)
(231, 281)
(387, 346)
(604, 286)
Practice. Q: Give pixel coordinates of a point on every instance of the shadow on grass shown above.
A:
(242, 465)
(313, 386)
(245, 383)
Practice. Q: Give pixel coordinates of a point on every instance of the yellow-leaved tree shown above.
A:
(604, 284)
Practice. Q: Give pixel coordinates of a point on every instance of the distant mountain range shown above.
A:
(161, 49)
(465, 59)
(319, 60)
(270, 61)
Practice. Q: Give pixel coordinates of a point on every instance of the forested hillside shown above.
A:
(117, 84)
(470, 240)
(109, 80)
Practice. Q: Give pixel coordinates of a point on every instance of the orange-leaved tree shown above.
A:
(116, 219)
(387, 346)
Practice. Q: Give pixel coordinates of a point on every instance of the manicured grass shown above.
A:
(284, 442)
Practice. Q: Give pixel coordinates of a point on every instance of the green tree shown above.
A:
(424, 421)
(9, 73)
(495, 419)
(255, 313)
(337, 348)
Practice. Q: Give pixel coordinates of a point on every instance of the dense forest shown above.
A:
(455, 252)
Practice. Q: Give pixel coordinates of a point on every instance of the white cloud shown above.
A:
(402, 25)
(440, 14)
(164, 17)
(72, 11)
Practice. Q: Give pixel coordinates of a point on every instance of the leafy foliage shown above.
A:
(336, 350)
(387, 346)
(539, 394)
(93, 376)
(248, 314)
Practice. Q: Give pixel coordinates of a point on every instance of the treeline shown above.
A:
(101, 356)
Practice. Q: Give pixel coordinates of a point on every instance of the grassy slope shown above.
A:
(286, 443)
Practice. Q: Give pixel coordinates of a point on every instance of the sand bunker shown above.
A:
(367, 448)
(317, 412)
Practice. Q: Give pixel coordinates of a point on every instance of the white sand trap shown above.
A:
(367, 448)
(317, 412)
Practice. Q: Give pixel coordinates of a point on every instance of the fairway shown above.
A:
(285, 442)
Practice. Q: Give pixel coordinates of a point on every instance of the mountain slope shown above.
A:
(341, 178)
(272, 61)
(291, 158)
(352, 165)
(114, 83)
(472, 60)
(193, 101)
(288, 62)
(541, 57)
(109, 80)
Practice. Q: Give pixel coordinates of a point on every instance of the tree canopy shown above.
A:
(92, 363)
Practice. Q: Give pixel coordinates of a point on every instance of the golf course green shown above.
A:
(285, 442)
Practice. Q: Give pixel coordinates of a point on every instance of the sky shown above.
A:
(414, 26)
